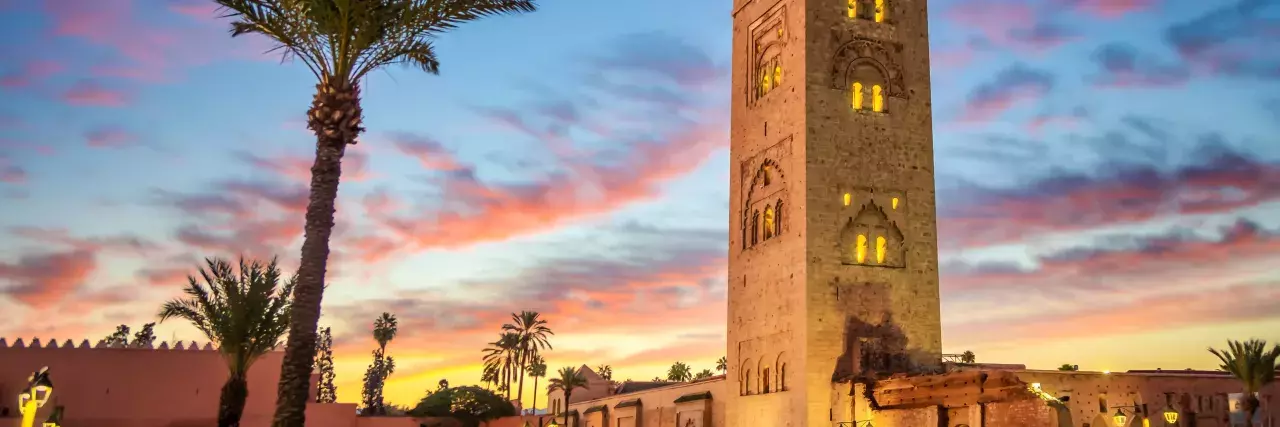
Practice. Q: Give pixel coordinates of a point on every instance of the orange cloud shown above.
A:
(43, 280)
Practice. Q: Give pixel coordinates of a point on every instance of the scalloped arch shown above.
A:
(862, 51)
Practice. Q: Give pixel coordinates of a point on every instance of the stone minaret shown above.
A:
(833, 270)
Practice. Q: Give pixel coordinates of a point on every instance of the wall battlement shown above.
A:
(102, 344)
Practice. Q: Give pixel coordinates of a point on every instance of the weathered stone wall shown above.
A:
(657, 407)
(1024, 413)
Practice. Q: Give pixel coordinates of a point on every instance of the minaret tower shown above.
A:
(833, 265)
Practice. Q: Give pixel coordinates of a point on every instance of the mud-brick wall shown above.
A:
(1020, 413)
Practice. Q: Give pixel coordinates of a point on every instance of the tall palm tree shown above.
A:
(532, 332)
(341, 42)
(722, 364)
(504, 354)
(679, 372)
(568, 379)
(385, 328)
(245, 312)
(1252, 364)
(537, 369)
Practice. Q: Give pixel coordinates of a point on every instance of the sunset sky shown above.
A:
(1108, 171)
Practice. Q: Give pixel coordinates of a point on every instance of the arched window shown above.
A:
(853, 8)
(746, 382)
(877, 99)
(768, 175)
(755, 227)
(880, 10)
(768, 222)
(858, 96)
(782, 377)
(895, 203)
(766, 81)
(777, 75)
(848, 198)
(764, 381)
(860, 251)
(881, 247)
(777, 220)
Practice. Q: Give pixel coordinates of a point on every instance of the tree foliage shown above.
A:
(703, 374)
(326, 390)
(470, 404)
(385, 328)
(1069, 367)
(245, 311)
(968, 357)
(119, 338)
(679, 372)
(1254, 365)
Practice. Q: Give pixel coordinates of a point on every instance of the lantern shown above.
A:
(1120, 418)
(1170, 416)
(39, 389)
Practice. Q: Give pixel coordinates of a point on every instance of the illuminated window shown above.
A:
(853, 8)
(777, 222)
(766, 82)
(895, 202)
(848, 198)
(857, 96)
(879, 10)
(877, 99)
(860, 252)
(881, 246)
(777, 75)
(768, 222)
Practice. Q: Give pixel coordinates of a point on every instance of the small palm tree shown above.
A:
(341, 42)
(722, 364)
(537, 369)
(605, 372)
(385, 328)
(244, 312)
(504, 353)
(968, 357)
(490, 375)
(532, 332)
(703, 374)
(1252, 364)
(679, 372)
(568, 379)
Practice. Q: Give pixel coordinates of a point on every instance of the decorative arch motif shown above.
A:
(780, 366)
(870, 238)
(870, 62)
(745, 377)
(768, 40)
(763, 188)
(871, 10)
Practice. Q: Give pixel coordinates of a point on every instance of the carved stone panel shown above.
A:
(871, 62)
(871, 232)
(764, 214)
(768, 39)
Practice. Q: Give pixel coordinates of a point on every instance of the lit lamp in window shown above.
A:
(37, 393)
(553, 423)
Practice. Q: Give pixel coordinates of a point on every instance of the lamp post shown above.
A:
(1121, 419)
(1170, 414)
(37, 393)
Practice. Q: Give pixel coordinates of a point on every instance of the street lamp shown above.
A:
(1121, 419)
(37, 393)
(1170, 416)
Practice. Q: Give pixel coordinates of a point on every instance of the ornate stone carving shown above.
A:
(870, 62)
(871, 237)
(764, 195)
(768, 38)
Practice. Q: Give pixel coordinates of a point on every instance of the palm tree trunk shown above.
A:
(1250, 406)
(335, 117)
(535, 394)
(231, 402)
(567, 393)
(520, 393)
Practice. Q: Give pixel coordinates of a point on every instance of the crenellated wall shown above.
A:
(111, 382)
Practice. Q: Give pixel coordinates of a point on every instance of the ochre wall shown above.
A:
(657, 406)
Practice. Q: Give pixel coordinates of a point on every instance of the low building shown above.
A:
(971, 395)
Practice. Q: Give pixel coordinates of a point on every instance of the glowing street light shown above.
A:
(1120, 418)
(1170, 416)
(37, 393)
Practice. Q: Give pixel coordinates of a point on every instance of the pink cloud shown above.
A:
(110, 138)
(10, 173)
(44, 280)
(1013, 86)
(30, 73)
(90, 93)
(1111, 9)
(148, 49)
